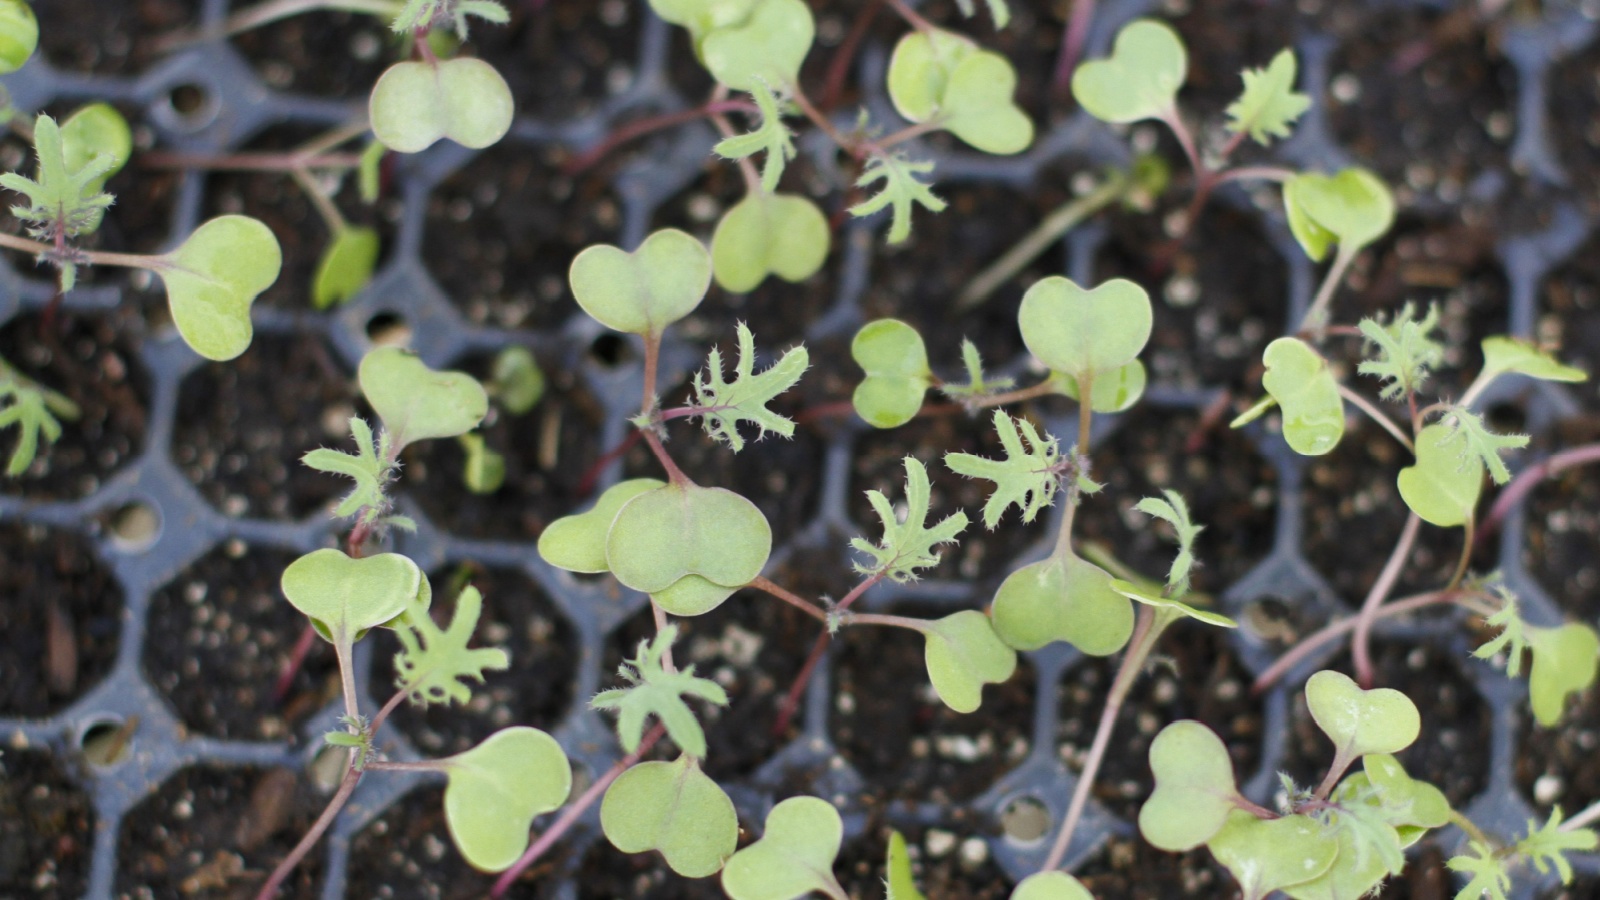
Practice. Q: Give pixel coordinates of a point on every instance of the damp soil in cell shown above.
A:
(62, 616)
(1560, 766)
(606, 873)
(407, 854)
(1574, 121)
(947, 863)
(536, 689)
(330, 54)
(93, 362)
(1130, 868)
(1570, 322)
(548, 453)
(501, 233)
(229, 637)
(1561, 547)
(218, 832)
(244, 425)
(92, 37)
(1195, 675)
(1452, 752)
(562, 59)
(46, 829)
(906, 743)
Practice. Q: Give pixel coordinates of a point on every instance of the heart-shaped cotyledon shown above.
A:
(1140, 79)
(415, 104)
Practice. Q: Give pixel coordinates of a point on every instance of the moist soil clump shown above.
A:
(46, 829)
(407, 854)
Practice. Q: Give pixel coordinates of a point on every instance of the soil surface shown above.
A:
(46, 829)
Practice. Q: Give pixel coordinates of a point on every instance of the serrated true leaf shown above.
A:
(1441, 487)
(782, 234)
(1171, 508)
(1028, 476)
(1352, 209)
(1050, 886)
(663, 535)
(1266, 855)
(1140, 79)
(794, 856)
(962, 655)
(978, 384)
(371, 467)
(1513, 636)
(1468, 430)
(1488, 869)
(433, 664)
(417, 403)
(33, 410)
(654, 691)
(1062, 598)
(674, 808)
(1084, 333)
(1402, 352)
(744, 399)
(1300, 380)
(896, 362)
(644, 291)
(64, 196)
(908, 544)
(346, 266)
(768, 46)
(415, 104)
(900, 191)
(345, 597)
(1269, 105)
(1548, 845)
(1564, 661)
(899, 882)
(1381, 720)
(497, 788)
(772, 137)
(1502, 354)
(1194, 790)
(577, 542)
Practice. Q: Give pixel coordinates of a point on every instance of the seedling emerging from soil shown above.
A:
(35, 411)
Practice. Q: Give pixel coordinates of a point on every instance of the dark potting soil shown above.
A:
(562, 58)
(1562, 547)
(407, 854)
(537, 688)
(92, 361)
(321, 53)
(1571, 319)
(1575, 127)
(228, 636)
(46, 829)
(62, 617)
(243, 426)
(955, 872)
(109, 39)
(218, 832)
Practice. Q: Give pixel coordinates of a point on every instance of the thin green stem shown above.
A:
(1315, 320)
(1042, 389)
(1474, 832)
(431, 765)
(93, 257)
(325, 208)
(1377, 415)
(762, 583)
(856, 618)
(347, 677)
(1336, 769)
(1466, 555)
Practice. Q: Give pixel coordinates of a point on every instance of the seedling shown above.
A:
(35, 411)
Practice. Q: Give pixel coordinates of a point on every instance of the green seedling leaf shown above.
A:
(946, 79)
(692, 595)
(1140, 79)
(702, 17)
(900, 884)
(344, 597)
(497, 788)
(1502, 354)
(768, 47)
(1359, 722)
(1028, 476)
(1085, 333)
(665, 534)
(773, 137)
(644, 291)
(33, 409)
(372, 467)
(1269, 105)
(1403, 353)
(368, 171)
(1564, 661)
(64, 201)
(577, 542)
(212, 279)
(422, 15)
(896, 362)
(1441, 487)
(1171, 509)
(1478, 441)
(654, 691)
(433, 664)
(1490, 877)
(1050, 886)
(1358, 867)
(782, 234)
(900, 191)
(1353, 209)
(794, 856)
(1300, 380)
(516, 382)
(1513, 636)
(907, 545)
(1112, 392)
(978, 384)
(1547, 847)
(417, 403)
(1267, 855)
(96, 132)
(962, 655)
(1406, 803)
(1149, 597)
(745, 399)
(19, 35)
(1062, 598)
(346, 266)
(415, 104)
(998, 10)
(1194, 790)
(674, 808)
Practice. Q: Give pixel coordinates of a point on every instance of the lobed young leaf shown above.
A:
(33, 410)
(433, 664)
(1194, 787)
(782, 234)
(1269, 105)
(417, 403)
(497, 788)
(1547, 846)
(978, 384)
(372, 467)
(653, 690)
(1085, 333)
(1479, 442)
(1564, 662)
(1140, 79)
(745, 398)
(346, 266)
(577, 542)
(900, 191)
(1299, 379)
(794, 856)
(896, 362)
(424, 15)
(674, 808)
(1028, 476)
(65, 199)
(415, 104)
(1490, 874)
(1062, 598)
(907, 543)
(900, 885)
(772, 137)
(1513, 636)
(1403, 354)
(1441, 487)
(644, 291)
(962, 654)
(1171, 509)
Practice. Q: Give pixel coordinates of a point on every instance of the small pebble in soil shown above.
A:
(1547, 789)
(939, 843)
(974, 853)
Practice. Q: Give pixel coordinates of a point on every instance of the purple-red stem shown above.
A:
(1360, 653)
(639, 128)
(1529, 478)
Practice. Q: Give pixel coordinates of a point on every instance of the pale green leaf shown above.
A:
(417, 403)
(907, 544)
(1194, 790)
(978, 384)
(1548, 845)
(1441, 487)
(1267, 855)
(33, 409)
(1381, 720)
(1502, 354)
(1085, 333)
(654, 691)
(946, 79)
(497, 788)
(665, 534)
(896, 362)
(516, 382)
(1403, 353)
(346, 266)
(1269, 105)
(768, 46)
(1564, 662)
(1300, 380)
(674, 808)
(900, 884)
(344, 597)
(414, 104)
(1150, 597)
(794, 856)
(65, 199)
(1028, 476)
(1140, 79)
(577, 542)
(1353, 209)
(725, 404)
(433, 664)
(1113, 391)
(1513, 636)
(213, 278)
(1468, 428)
(644, 291)
(1050, 886)
(900, 191)
(1488, 870)
(962, 655)
(19, 35)
(1171, 509)
(782, 234)
(1062, 598)
(772, 137)
(371, 467)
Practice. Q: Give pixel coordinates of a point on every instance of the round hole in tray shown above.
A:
(135, 526)
(1025, 820)
(389, 329)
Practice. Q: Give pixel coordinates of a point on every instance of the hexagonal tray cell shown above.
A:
(244, 424)
(1229, 488)
(950, 863)
(219, 832)
(63, 615)
(325, 53)
(407, 854)
(536, 690)
(1131, 867)
(502, 231)
(1197, 677)
(907, 744)
(226, 637)
(1452, 751)
(1561, 542)
(548, 451)
(120, 39)
(1409, 84)
(1219, 295)
(46, 829)
(278, 201)
(94, 363)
